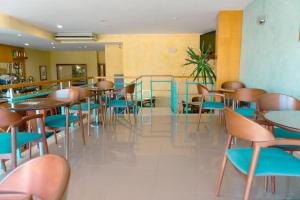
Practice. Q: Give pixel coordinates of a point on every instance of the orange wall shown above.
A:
(229, 36)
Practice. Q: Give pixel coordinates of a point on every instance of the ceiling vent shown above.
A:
(75, 37)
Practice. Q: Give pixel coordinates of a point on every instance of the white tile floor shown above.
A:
(163, 157)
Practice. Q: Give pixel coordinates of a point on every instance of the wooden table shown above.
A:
(289, 120)
(37, 105)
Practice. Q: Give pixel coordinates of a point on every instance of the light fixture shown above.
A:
(52, 43)
(19, 35)
(59, 26)
(53, 47)
(174, 18)
(26, 44)
(85, 46)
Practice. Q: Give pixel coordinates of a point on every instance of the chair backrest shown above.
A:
(129, 89)
(66, 95)
(248, 94)
(232, 85)
(275, 101)
(46, 177)
(8, 117)
(105, 85)
(244, 128)
(202, 90)
(83, 92)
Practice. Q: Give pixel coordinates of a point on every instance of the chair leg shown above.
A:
(221, 176)
(3, 165)
(55, 137)
(128, 114)
(273, 182)
(266, 182)
(67, 142)
(30, 150)
(82, 130)
(88, 123)
(199, 117)
(251, 173)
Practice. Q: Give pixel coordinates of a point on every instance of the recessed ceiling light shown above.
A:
(174, 18)
(85, 47)
(26, 44)
(79, 47)
(19, 35)
(59, 26)
(53, 47)
(52, 43)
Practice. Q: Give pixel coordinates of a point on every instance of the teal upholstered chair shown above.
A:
(105, 86)
(64, 120)
(276, 102)
(248, 96)
(119, 100)
(86, 105)
(262, 160)
(208, 102)
(15, 136)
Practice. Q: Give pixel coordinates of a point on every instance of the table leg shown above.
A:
(40, 144)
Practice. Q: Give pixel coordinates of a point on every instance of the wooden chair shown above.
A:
(106, 86)
(14, 138)
(232, 85)
(260, 160)
(210, 104)
(249, 96)
(63, 121)
(86, 105)
(44, 177)
(276, 102)
(119, 99)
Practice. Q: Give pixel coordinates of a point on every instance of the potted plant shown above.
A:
(202, 68)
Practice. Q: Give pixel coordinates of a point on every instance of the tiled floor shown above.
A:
(163, 157)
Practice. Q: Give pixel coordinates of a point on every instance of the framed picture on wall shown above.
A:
(43, 72)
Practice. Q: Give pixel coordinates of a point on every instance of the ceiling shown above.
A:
(121, 16)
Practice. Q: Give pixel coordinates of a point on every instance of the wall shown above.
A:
(114, 59)
(101, 56)
(74, 57)
(35, 59)
(271, 52)
(229, 36)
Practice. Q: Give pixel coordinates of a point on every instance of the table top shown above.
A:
(34, 104)
(285, 119)
(98, 89)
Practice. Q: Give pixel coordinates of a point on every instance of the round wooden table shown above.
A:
(36, 104)
(289, 120)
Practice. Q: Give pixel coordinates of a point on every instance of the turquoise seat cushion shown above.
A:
(272, 161)
(22, 139)
(212, 105)
(59, 121)
(119, 103)
(84, 106)
(283, 133)
(246, 112)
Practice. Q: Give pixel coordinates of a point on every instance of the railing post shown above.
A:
(186, 96)
(151, 92)
(69, 83)
(61, 85)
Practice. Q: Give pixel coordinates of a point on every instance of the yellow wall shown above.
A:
(114, 59)
(74, 57)
(101, 56)
(229, 36)
(35, 59)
